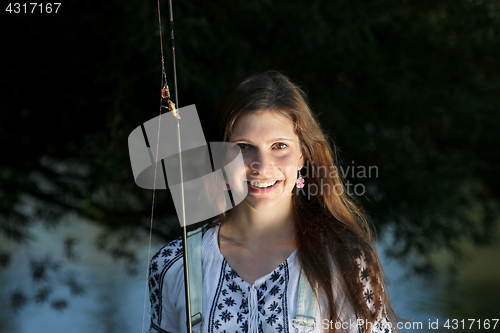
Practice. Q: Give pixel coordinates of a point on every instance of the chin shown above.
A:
(267, 204)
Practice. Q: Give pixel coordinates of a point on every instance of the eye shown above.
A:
(280, 145)
(243, 146)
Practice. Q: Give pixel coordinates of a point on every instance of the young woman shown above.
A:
(297, 217)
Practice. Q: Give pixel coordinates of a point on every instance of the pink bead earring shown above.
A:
(300, 181)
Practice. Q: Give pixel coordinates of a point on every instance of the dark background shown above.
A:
(411, 87)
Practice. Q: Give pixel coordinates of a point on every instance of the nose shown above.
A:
(261, 163)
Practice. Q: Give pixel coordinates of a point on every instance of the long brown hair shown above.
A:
(330, 226)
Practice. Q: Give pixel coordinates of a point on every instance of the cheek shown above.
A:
(237, 177)
(288, 166)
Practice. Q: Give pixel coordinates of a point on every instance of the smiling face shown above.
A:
(272, 155)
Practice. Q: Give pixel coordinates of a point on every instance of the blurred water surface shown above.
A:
(114, 299)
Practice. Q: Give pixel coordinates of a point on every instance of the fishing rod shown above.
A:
(171, 107)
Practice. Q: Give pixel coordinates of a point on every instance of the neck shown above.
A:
(244, 224)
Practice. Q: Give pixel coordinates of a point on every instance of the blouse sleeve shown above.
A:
(382, 324)
(165, 287)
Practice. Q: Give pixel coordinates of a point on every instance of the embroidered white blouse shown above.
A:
(231, 304)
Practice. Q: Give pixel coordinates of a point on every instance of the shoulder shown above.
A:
(168, 260)
(166, 283)
(166, 256)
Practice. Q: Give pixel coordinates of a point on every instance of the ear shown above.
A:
(302, 160)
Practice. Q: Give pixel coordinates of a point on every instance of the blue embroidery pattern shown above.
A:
(271, 302)
(164, 258)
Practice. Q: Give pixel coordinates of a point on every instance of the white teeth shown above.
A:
(262, 185)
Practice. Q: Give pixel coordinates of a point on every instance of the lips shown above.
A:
(263, 186)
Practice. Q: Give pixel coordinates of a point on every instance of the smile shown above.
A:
(263, 187)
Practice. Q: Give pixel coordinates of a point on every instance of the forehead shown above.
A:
(263, 125)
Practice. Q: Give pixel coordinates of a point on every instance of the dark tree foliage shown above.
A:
(408, 87)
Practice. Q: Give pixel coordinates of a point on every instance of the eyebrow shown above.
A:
(272, 140)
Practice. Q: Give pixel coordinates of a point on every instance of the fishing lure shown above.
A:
(165, 94)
